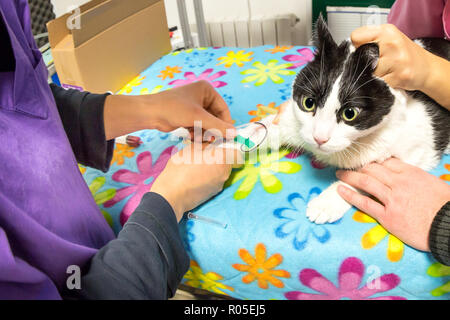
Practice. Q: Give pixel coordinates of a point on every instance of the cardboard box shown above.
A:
(117, 40)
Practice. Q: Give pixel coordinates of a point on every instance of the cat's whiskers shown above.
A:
(322, 62)
(317, 82)
(355, 100)
(346, 158)
(360, 146)
(305, 89)
(356, 81)
(339, 159)
(354, 71)
(363, 85)
(308, 74)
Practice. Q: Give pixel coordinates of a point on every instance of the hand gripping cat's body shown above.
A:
(348, 118)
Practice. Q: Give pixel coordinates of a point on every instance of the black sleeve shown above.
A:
(146, 261)
(439, 238)
(82, 117)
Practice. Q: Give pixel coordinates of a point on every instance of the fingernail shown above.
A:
(133, 141)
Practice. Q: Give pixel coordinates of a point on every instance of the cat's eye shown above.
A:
(350, 114)
(308, 104)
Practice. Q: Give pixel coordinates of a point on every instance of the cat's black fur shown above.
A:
(358, 85)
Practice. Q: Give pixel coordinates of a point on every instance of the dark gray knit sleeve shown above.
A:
(146, 261)
(82, 117)
(439, 238)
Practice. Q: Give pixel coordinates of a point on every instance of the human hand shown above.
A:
(402, 64)
(182, 106)
(409, 198)
(190, 177)
(169, 110)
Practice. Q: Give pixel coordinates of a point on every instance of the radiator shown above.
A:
(258, 31)
(343, 20)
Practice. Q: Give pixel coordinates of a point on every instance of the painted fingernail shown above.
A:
(133, 141)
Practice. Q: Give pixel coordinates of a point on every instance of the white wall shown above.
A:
(221, 10)
(63, 6)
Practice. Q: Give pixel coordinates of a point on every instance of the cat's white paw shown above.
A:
(328, 206)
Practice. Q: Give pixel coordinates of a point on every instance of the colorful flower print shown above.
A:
(261, 268)
(228, 99)
(297, 224)
(187, 234)
(263, 72)
(154, 90)
(238, 58)
(350, 276)
(140, 182)
(285, 91)
(374, 236)
(190, 77)
(295, 154)
(278, 49)
(439, 270)
(199, 59)
(263, 111)
(316, 164)
(207, 281)
(169, 72)
(102, 197)
(82, 169)
(136, 82)
(305, 55)
(186, 51)
(122, 151)
(446, 177)
(262, 170)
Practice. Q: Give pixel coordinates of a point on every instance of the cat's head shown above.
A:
(337, 99)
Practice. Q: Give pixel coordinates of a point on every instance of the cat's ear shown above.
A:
(369, 53)
(322, 38)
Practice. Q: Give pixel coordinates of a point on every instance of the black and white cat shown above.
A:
(347, 117)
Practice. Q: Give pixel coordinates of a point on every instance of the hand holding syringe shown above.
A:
(249, 137)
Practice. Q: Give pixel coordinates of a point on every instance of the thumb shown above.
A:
(212, 123)
(365, 34)
(391, 80)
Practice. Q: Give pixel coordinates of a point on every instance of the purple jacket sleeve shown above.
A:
(419, 18)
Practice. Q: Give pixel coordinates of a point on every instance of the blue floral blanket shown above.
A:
(264, 246)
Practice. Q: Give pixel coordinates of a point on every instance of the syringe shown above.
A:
(192, 216)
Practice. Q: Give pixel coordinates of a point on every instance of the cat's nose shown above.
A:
(321, 141)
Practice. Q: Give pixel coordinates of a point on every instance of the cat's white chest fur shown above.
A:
(406, 133)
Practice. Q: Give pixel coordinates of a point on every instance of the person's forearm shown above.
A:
(125, 114)
(437, 86)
